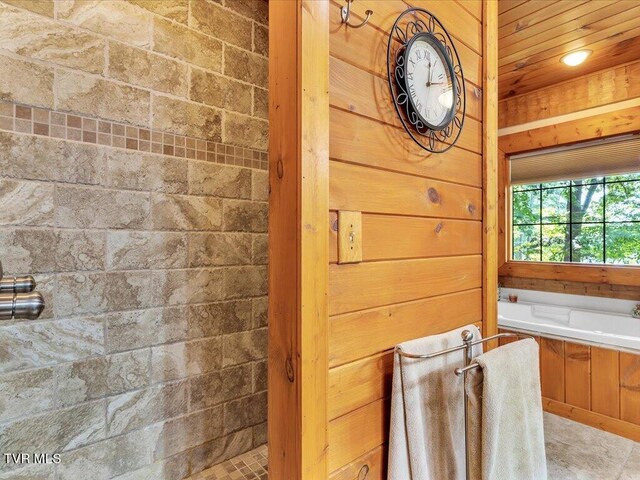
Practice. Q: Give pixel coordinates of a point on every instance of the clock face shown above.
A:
(430, 81)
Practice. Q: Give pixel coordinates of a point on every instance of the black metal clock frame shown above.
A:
(410, 23)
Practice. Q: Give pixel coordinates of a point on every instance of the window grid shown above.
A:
(541, 188)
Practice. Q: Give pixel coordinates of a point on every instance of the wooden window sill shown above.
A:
(573, 272)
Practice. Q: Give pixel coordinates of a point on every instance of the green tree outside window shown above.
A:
(595, 220)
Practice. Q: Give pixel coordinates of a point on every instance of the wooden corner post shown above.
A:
(490, 170)
(298, 238)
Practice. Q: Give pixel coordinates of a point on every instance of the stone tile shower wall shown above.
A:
(133, 186)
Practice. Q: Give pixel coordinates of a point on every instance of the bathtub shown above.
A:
(589, 355)
(613, 330)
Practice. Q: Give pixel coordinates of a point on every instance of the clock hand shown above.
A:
(430, 75)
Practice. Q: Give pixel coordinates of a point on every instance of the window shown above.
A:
(593, 220)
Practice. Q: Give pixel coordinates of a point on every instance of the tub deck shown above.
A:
(596, 328)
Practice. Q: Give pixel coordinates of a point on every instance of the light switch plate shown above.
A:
(349, 236)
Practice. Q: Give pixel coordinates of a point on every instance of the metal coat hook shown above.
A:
(346, 15)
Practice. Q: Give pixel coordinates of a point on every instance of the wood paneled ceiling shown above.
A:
(534, 34)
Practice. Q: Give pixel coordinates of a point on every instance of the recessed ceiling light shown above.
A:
(574, 59)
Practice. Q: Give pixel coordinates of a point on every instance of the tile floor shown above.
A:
(579, 452)
(250, 466)
(574, 452)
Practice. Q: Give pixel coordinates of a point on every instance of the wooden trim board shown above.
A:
(593, 419)
(578, 130)
(569, 117)
(298, 267)
(490, 174)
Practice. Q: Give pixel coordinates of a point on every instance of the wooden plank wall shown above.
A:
(608, 290)
(590, 91)
(592, 385)
(422, 237)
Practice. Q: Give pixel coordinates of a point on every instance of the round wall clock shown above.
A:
(426, 80)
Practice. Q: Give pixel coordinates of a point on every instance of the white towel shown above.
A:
(505, 405)
(426, 439)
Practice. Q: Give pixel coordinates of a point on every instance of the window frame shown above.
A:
(542, 187)
(627, 275)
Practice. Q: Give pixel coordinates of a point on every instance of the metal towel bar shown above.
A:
(467, 346)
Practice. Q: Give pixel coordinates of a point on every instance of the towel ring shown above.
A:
(345, 13)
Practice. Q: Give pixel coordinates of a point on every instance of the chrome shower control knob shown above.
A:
(28, 306)
(24, 284)
(21, 306)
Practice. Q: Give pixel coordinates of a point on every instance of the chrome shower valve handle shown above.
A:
(24, 284)
(24, 306)
(18, 299)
